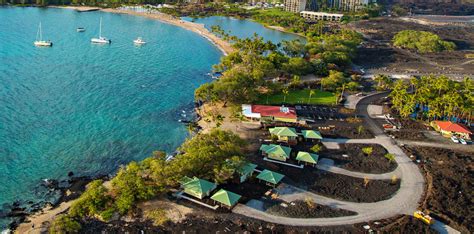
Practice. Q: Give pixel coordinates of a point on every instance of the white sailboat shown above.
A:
(139, 41)
(101, 39)
(39, 38)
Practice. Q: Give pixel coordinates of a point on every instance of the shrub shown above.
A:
(92, 202)
(422, 41)
(367, 150)
(390, 157)
(316, 148)
(158, 216)
(64, 224)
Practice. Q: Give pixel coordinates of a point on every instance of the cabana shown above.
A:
(270, 177)
(307, 158)
(277, 152)
(311, 135)
(197, 187)
(226, 198)
(284, 134)
(246, 171)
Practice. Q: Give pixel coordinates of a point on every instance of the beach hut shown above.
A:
(284, 134)
(270, 177)
(277, 152)
(311, 135)
(226, 198)
(246, 171)
(197, 187)
(307, 158)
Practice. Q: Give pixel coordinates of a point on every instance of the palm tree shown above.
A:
(311, 93)
(285, 92)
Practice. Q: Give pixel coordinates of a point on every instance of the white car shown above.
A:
(455, 139)
(464, 142)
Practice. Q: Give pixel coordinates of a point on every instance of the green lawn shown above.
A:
(299, 97)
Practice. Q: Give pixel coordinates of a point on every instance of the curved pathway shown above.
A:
(404, 201)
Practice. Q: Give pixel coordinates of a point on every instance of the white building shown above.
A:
(312, 16)
(295, 6)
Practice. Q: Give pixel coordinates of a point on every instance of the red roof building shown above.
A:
(273, 113)
(449, 128)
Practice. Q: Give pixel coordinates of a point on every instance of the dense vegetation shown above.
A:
(214, 156)
(249, 72)
(432, 97)
(422, 41)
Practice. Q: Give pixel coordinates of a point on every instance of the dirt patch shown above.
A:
(449, 174)
(378, 56)
(401, 224)
(343, 129)
(357, 161)
(174, 211)
(305, 209)
(348, 188)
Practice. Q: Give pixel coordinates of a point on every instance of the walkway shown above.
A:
(404, 201)
(457, 147)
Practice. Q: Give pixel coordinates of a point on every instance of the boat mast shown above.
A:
(100, 28)
(39, 33)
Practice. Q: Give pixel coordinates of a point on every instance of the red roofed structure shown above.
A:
(449, 128)
(270, 113)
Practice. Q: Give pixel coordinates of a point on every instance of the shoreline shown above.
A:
(33, 222)
(224, 46)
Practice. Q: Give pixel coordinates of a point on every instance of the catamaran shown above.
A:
(139, 41)
(101, 39)
(39, 38)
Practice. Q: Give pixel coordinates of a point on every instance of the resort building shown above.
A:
(295, 6)
(276, 152)
(341, 5)
(448, 129)
(226, 198)
(197, 187)
(246, 171)
(285, 134)
(270, 177)
(307, 158)
(312, 16)
(269, 113)
(311, 135)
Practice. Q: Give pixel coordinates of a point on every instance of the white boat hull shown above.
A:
(43, 43)
(100, 41)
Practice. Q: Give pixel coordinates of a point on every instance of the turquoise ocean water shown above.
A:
(89, 108)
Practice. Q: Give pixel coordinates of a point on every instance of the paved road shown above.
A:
(457, 147)
(404, 201)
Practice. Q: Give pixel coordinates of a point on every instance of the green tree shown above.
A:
(211, 156)
(129, 186)
(285, 93)
(311, 93)
(64, 224)
(92, 202)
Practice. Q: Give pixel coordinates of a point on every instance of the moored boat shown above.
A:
(80, 29)
(139, 41)
(101, 39)
(39, 39)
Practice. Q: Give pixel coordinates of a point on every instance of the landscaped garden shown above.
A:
(317, 97)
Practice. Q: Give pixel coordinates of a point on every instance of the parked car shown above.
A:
(455, 139)
(464, 142)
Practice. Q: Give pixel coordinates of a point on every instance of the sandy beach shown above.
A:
(224, 46)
